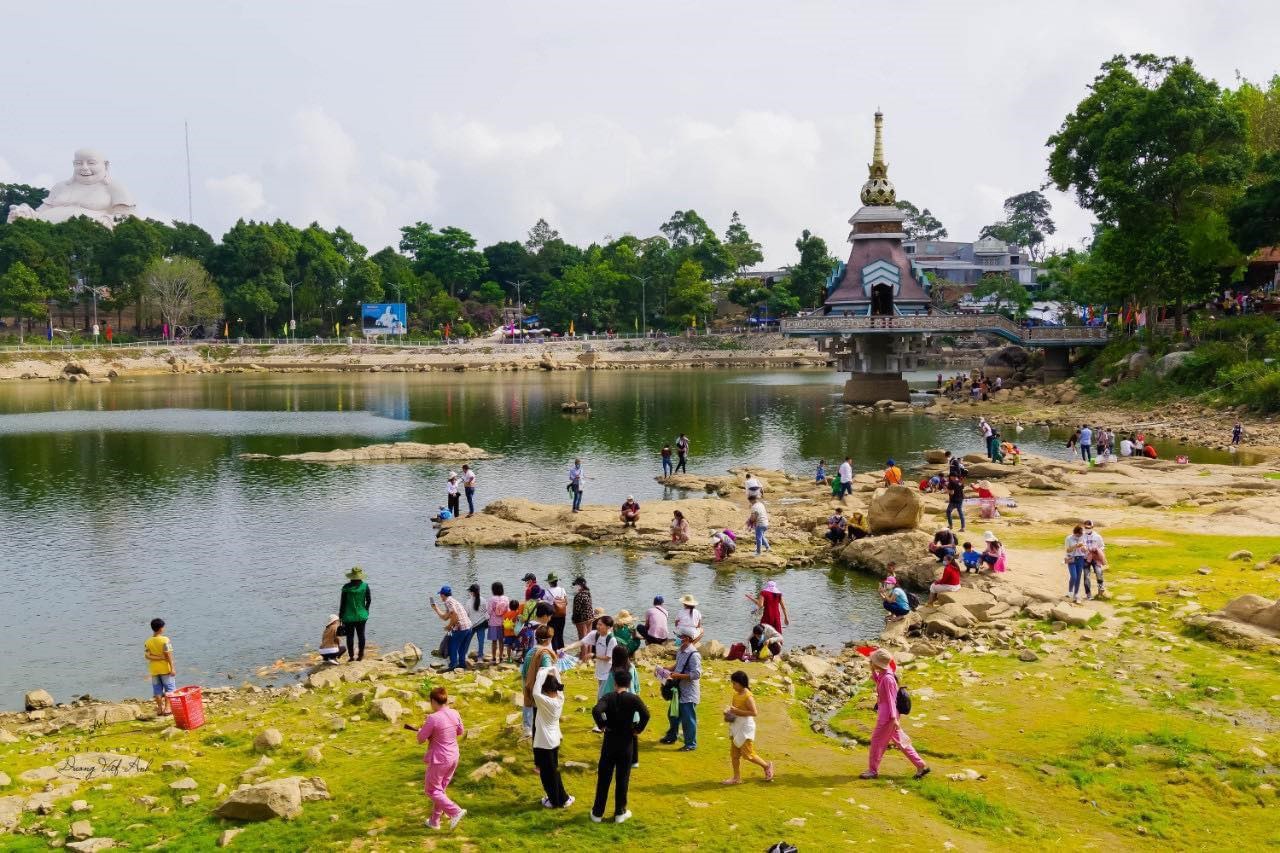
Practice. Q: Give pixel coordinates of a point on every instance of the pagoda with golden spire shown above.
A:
(878, 190)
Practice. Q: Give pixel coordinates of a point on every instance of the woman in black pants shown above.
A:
(353, 610)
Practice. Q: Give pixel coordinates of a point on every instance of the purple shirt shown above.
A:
(442, 728)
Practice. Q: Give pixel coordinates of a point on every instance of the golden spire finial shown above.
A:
(878, 190)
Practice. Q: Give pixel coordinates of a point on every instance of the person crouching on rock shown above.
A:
(330, 645)
(723, 544)
(894, 598)
(949, 582)
(630, 512)
(679, 528)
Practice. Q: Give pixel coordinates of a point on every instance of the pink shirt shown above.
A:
(497, 610)
(443, 728)
(655, 623)
(886, 698)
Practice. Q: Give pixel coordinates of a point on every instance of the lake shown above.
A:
(127, 501)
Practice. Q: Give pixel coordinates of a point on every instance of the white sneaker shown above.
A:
(546, 802)
(568, 802)
(457, 819)
(595, 819)
(622, 818)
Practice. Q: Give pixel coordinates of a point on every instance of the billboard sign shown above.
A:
(384, 318)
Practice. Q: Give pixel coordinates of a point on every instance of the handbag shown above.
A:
(671, 688)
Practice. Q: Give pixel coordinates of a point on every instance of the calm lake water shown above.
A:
(126, 501)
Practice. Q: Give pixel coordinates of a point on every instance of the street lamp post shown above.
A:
(81, 287)
(644, 320)
(292, 323)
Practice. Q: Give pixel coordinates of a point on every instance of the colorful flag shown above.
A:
(49, 331)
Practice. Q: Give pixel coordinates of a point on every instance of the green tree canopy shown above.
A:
(743, 251)
(1156, 153)
(1026, 222)
(920, 224)
(808, 279)
(1008, 296)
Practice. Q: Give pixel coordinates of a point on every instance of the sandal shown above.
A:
(867, 774)
(768, 772)
(922, 772)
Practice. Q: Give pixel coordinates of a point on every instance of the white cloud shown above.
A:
(236, 196)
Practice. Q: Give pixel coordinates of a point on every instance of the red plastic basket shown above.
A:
(188, 707)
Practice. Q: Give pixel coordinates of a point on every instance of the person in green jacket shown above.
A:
(353, 611)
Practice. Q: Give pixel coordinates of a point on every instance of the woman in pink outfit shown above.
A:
(887, 729)
(443, 728)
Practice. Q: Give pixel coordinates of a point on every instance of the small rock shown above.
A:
(186, 783)
(313, 756)
(488, 770)
(147, 801)
(796, 821)
(1242, 554)
(91, 845)
(1028, 656)
(190, 799)
(38, 774)
(268, 740)
(171, 733)
(7, 736)
(227, 834)
(388, 709)
(1204, 570)
(80, 830)
(966, 775)
(178, 766)
(337, 723)
(80, 806)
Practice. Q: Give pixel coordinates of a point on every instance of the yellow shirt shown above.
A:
(739, 700)
(157, 646)
(893, 475)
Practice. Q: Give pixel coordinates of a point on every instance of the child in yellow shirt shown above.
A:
(159, 654)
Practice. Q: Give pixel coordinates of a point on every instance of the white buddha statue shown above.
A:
(91, 192)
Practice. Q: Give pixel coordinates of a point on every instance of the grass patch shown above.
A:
(972, 810)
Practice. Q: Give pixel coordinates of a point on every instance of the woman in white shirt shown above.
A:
(759, 521)
(689, 616)
(548, 698)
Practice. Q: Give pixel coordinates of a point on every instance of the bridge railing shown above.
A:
(992, 323)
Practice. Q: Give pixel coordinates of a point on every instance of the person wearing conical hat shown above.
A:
(888, 729)
(353, 611)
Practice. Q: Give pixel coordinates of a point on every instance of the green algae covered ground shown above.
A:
(1137, 734)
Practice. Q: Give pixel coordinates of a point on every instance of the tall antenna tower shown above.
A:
(186, 135)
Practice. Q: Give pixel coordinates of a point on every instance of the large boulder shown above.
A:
(387, 709)
(266, 800)
(916, 567)
(974, 601)
(1072, 615)
(895, 508)
(937, 457)
(1137, 363)
(1006, 362)
(267, 740)
(36, 700)
(1170, 362)
(815, 667)
(1253, 610)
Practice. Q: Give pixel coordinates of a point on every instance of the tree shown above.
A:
(509, 261)
(181, 290)
(22, 294)
(188, 240)
(396, 277)
(539, 236)
(1255, 216)
(1156, 153)
(1008, 296)
(920, 224)
(690, 295)
(808, 279)
(135, 243)
(743, 251)
(12, 195)
(692, 239)
(1026, 222)
(449, 254)
(364, 283)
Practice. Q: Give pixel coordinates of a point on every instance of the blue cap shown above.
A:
(446, 590)
(890, 462)
(657, 599)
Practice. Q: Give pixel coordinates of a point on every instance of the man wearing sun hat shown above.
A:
(687, 674)
(353, 610)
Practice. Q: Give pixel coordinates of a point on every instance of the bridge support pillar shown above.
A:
(864, 388)
(1057, 364)
(876, 363)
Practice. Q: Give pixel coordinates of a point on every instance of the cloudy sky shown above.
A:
(601, 117)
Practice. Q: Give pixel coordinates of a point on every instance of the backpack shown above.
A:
(913, 601)
(508, 625)
(904, 701)
(738, 651)
(560, 606)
